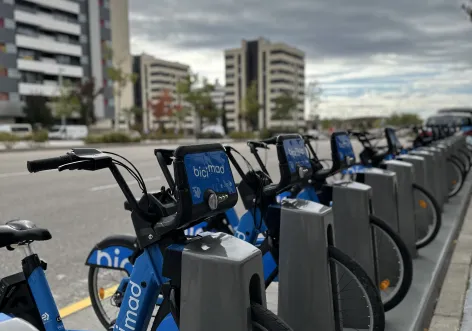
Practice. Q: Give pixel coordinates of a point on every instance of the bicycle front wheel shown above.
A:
(265, 320)
(353, 286)
(394, 264)
(427, 216)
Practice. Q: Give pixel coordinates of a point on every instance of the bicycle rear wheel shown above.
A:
(265, 320)
(455, 177)
(428, 216)
(394, 264)
(352, 316)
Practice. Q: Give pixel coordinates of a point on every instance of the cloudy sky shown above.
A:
(370, 56)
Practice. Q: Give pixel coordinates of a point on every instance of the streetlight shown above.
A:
(61, 87)
(467, 9)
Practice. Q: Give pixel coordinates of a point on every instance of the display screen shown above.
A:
(392, 136)
(208, 171)
(345, 150)
(296, 154)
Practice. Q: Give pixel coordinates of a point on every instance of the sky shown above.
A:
(370, 57)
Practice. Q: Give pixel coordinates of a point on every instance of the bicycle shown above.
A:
(159, 221)
(263, 217)
(315, 188)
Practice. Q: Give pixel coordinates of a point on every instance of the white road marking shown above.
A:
(131, 182)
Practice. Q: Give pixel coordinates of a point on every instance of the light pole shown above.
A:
(61, 87)
(296, 98)
(468, 9)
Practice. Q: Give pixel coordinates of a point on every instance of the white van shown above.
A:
(20, 130)
(68, 132)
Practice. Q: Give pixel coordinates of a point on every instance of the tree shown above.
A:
(162, 108)
(286, 106)
(67, 103)
(86, 92)
(468, 10)
(404, 119)
(37, 111)
(135, 113)
(120, 79)
(250, 107)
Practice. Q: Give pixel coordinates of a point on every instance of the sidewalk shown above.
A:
(453, 310)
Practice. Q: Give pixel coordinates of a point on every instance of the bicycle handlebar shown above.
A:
(50, 163)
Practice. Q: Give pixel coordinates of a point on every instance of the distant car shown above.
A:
(17, 129)
(68, 132)
(313, 132)
(214, 130)
(460, 119)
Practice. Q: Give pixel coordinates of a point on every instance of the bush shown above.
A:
(268, 133)
(239, 135)
(158, 135)
(40, 136)
(111, 138)
(8, 139)
(209, 135)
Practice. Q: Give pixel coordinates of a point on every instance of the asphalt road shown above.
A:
(80, 208)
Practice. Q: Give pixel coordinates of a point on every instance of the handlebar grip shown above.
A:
(270, 141)
(50, 163)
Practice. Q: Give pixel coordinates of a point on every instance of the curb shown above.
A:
(101, 146)
(429, 269)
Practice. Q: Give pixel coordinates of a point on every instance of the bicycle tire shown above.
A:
(467, 158)
(460, 163)
(436, 210)
(95, 300)
(265, 320)
(405, 258)
(457, 187)
(373, 294)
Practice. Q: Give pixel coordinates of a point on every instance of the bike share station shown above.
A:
(218, 280)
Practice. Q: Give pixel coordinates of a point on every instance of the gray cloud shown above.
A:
(429, 30)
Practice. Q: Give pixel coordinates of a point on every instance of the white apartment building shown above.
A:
(156, 76)
(44, 43)
(277, 68)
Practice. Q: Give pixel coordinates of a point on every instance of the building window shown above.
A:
(84, 59)
(14, 96)
(13, 73)
(83, 39)
(82, 18)
(4, 96)
(9, 23)
(10, 48)
(3, 72)
(26, 54)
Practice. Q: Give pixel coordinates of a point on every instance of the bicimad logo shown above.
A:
(206, 171)
(296, 152)
(197, 192)
(45, 317)
(131, 310)
(109, 261)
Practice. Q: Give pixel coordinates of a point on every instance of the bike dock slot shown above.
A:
(353, 234)
(405, 202)
(208, 265)
(439, 168)
(306, 229)
(432, 172)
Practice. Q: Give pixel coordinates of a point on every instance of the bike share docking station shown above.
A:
(432, 171)
(228, 274)
(440, 168)
(306, 230)
(421, 219)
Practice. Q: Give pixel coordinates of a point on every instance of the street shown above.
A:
(80, 208)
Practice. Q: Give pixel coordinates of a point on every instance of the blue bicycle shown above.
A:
(260, 226)
(159, 220)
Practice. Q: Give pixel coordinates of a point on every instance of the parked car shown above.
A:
(214, 131)
(68, 132)
(18, 129)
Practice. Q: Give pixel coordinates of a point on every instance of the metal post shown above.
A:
(61, 86)
(306, 229)
(405, 202)
(351, 211)
(209, 264)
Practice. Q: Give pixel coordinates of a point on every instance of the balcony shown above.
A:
(50, 68)
(48, 45)
(47, 22)
(68, 6)
(47, 90)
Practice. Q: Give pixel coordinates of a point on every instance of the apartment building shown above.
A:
(156, 76)
(44, 43)
(277, 68)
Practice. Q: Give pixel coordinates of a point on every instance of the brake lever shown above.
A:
(74, 165)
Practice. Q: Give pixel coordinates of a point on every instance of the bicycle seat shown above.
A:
(21, 231)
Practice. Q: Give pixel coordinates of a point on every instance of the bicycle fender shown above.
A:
(113, 252)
